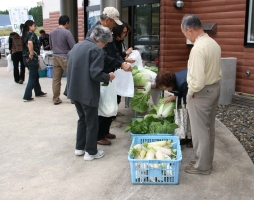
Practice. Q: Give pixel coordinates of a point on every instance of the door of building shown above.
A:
(144, 18)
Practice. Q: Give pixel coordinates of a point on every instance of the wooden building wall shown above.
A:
(80, 24)
(230, 18)
(51, 23)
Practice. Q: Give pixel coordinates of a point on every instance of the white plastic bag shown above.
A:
(10, 63)
(124, 84)
(42, 63)
(135, 55)
(108, 101)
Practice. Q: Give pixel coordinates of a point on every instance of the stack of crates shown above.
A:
(155, 171)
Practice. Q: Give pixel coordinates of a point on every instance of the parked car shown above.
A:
(4, 49)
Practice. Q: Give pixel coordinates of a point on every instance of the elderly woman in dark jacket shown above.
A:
(176, 83)
(85, 72)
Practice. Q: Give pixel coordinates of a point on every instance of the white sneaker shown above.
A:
(99, 154)
(79, 152)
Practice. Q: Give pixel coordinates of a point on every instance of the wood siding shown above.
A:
(80, 24)
(52, 22)
(230, 18)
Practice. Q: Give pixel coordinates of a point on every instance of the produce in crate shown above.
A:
(159, 150)
(159, 168)
(149, 150)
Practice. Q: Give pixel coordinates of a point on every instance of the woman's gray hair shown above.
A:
(102, 34)
(191, 21)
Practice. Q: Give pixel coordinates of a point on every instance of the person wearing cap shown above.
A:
(113, 60)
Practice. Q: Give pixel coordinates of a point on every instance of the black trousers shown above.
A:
(104, 126)
(17, 58)
(87, 129)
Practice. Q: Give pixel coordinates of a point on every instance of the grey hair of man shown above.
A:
(191, 21)
(104, 16)
(102, 34)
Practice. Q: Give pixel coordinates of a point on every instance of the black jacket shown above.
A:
(113, 60)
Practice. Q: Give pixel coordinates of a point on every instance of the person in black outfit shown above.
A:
(177, 84)
(113, 61)
(16, 48)
(44, 40)
(119, 33)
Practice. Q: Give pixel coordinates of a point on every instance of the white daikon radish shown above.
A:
(150, 154)
(142, 153)
(158, 143)
(138, 147)
(163, 150)
(159, 155)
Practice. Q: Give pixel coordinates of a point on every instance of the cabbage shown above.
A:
(166, 110)
(153, 74)
(152, 68)
(139, 101)
(141, 79)
(135, 70)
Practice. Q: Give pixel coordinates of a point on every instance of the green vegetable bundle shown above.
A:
(159, 120)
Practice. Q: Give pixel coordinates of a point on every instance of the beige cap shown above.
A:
(112, 13)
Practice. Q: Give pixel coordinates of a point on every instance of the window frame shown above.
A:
(248, 22)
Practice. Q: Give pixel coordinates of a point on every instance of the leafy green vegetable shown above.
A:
(153, 69)
(166, 110)
(150, 125)
(141, 79)
(135, 70)
(139, 101)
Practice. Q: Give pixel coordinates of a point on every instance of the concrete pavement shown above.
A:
(37, 158)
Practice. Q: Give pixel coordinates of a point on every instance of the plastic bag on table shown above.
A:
(10, 63)
(42, 63)
(108, 101)
(124, 84)
(135, 54)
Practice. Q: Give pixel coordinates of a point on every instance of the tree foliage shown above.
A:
(36, 12)
(4, 12)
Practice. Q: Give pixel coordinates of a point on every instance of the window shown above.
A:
(249, 24)
(146, 31)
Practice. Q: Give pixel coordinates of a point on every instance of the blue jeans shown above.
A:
(33, 80)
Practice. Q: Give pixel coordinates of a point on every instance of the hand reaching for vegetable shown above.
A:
(169, 99)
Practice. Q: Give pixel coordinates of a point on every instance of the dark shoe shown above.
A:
(57, 102)
(103, 142)
(119, 114)
(110, 136)
(21, 81)
(27, 100)
(43, 94)
(193, 170)
(184, 141)
(189, 145)
(192, 162)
